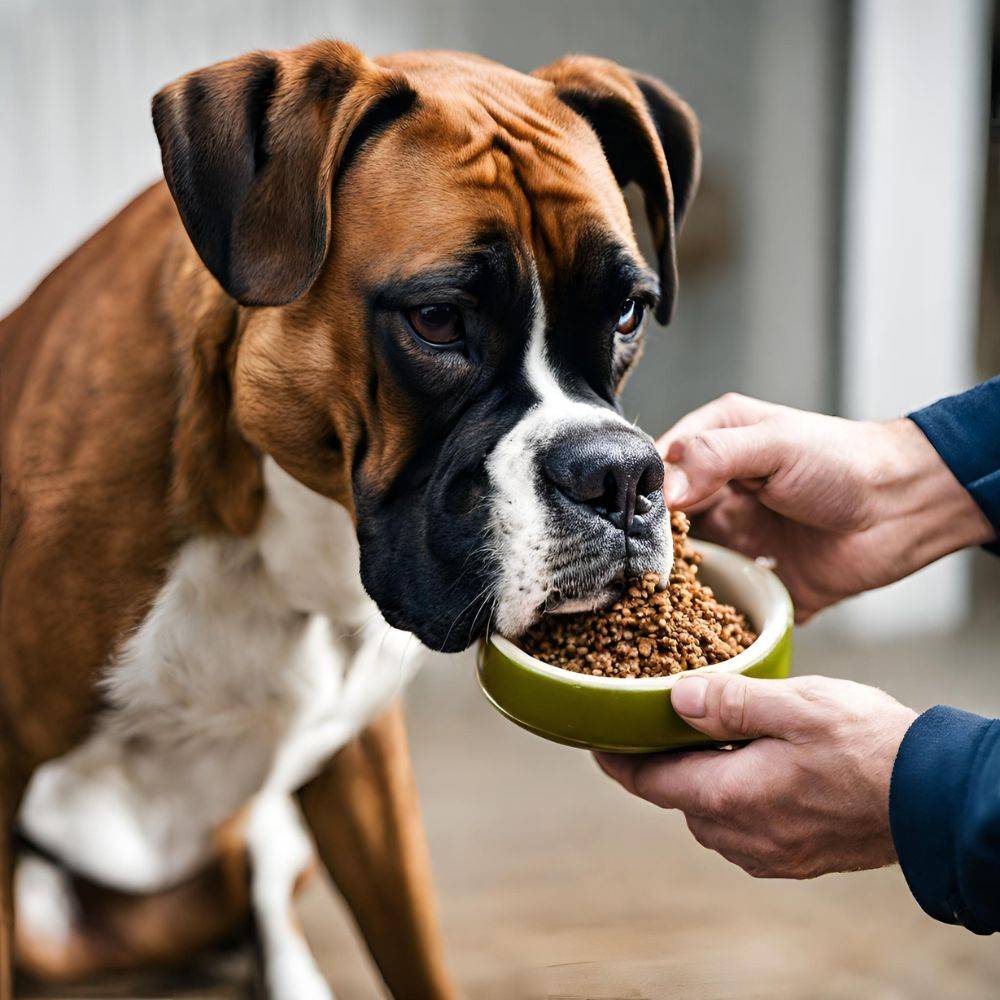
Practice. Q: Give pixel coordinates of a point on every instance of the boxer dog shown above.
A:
(348, 378)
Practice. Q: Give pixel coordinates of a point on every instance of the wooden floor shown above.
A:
(555, 884)
(226, 977)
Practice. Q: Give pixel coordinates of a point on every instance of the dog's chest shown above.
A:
(258, 660)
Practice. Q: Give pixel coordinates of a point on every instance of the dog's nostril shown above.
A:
(608, 500)
(614, 475)
(651, 479)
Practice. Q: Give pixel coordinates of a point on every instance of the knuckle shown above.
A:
(811, 686)
(701, 831)
(777, 426)
(784, 842)
(643, 781)
(734, 704)
(771, 862)
(778, 435)
(714, 803)
(721, 799)
(756, 868)
(708, 452)
(762, 871)
(816, 691)
(788, 854)
(791, 865)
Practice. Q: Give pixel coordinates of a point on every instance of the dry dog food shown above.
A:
(653, 630)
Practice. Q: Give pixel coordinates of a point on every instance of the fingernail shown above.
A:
(688, 697)
(676, 486)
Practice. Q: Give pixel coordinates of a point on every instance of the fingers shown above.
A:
(721, 839)
(743, 524)
(702, 464)
(730, 410)
(739, 522)
(757, 852)
(688, 781)
(732, 706)
(708, 503)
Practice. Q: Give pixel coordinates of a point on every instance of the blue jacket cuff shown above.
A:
(944, 813)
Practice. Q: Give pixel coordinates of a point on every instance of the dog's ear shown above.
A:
(251, 149)
(649, 136)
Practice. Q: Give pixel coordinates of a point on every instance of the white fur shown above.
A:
(46, 905)
(258, 660)
(280, 850)
(519, 520)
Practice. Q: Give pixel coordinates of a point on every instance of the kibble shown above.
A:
(653, 630)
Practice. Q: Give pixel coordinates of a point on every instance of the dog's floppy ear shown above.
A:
(649, 136)
(251, 148)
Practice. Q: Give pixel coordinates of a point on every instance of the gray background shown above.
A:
(766, 77)
(553, 882)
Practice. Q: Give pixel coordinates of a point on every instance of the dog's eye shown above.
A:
(629, 320)
(438, 324)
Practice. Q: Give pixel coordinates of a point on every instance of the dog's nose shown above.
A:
(615, 473)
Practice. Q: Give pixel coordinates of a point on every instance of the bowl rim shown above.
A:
(777, 622)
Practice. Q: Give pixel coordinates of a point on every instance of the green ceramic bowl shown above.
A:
(635, 716)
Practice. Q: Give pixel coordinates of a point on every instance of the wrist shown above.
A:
(894, 726)
(922, 495)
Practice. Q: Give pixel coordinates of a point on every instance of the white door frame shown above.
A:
(917, 133)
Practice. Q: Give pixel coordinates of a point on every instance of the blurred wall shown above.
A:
(917, 142)
(788, 92)
(765, 77)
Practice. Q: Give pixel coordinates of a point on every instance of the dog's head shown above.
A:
(448, 297)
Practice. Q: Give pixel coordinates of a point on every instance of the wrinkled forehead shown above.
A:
(477, 156)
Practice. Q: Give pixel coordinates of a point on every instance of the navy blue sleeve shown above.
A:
(944, 812)
(965, 432)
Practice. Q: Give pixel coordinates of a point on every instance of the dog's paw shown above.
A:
(296, 977)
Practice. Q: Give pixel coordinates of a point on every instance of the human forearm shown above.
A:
(944, 808)
(965, 431)
(921, 499)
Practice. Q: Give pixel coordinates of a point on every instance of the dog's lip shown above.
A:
(556, 604)
(571, 595)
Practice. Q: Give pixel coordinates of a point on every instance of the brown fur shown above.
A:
(121, 931)
(374, 848)
(138, 394)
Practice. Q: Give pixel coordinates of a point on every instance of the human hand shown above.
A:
(808, 797)
(842, 506)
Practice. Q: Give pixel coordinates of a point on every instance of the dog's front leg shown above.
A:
(363, 812)
(6, 898)
(11, 788)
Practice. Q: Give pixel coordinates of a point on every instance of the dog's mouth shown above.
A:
(581, 592)
(584, 581)
(558, 603)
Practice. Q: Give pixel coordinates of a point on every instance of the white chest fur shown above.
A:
(259, 658)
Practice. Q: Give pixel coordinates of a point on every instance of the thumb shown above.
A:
(703, 463)
(731, 706)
